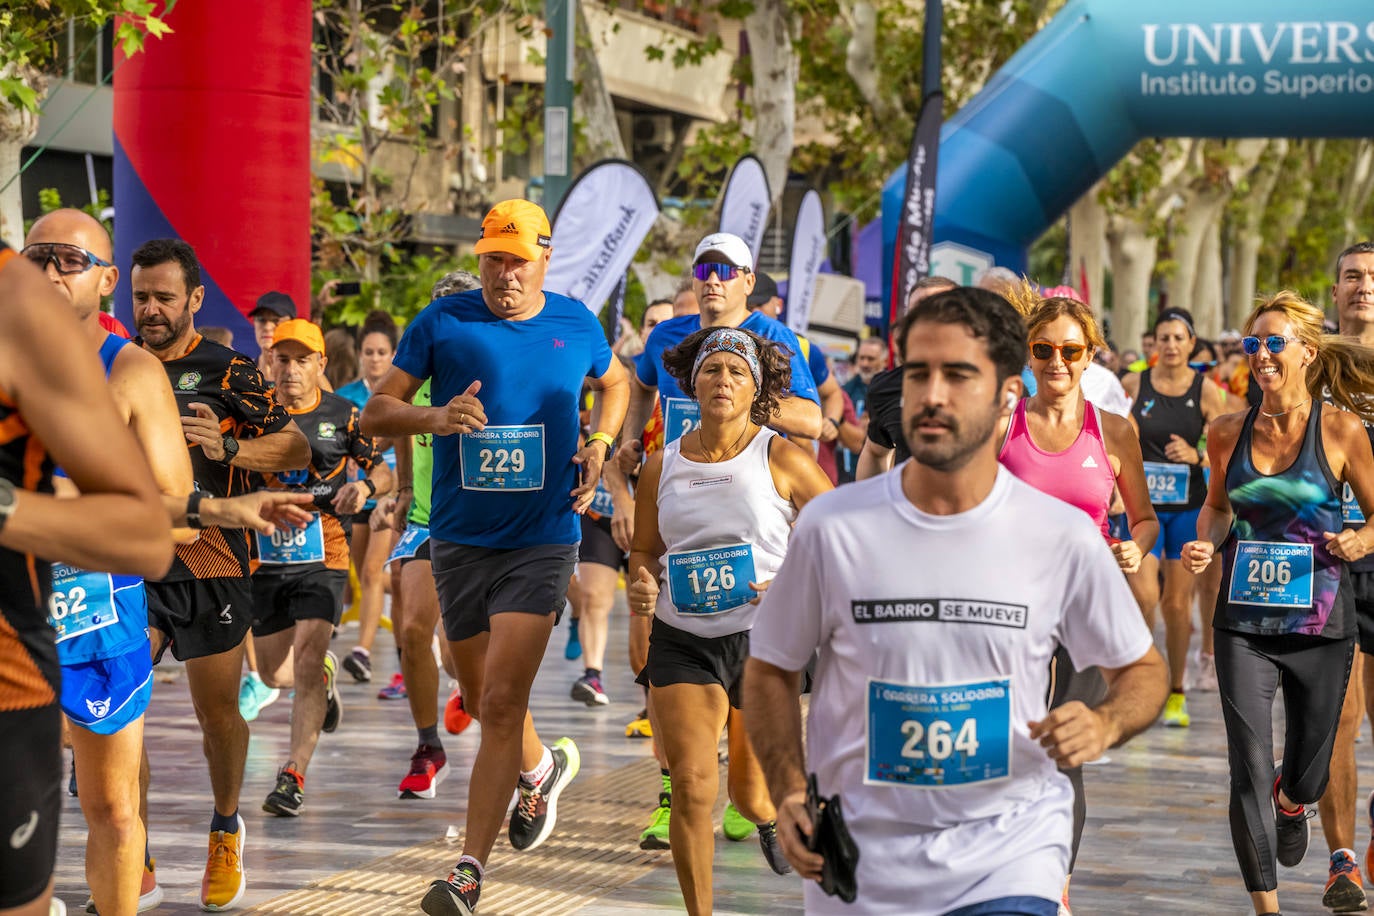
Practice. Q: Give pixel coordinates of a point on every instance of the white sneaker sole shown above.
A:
(243, 876)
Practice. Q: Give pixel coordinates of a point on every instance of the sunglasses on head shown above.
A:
(68, 259)
(724, 272)
(1274, 343)
(1071, 352)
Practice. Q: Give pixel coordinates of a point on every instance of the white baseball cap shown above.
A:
(729, 248)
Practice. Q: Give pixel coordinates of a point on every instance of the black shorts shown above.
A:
(364, 517)
(476, 582)
(201, 617)
(599, 547)
(280, 600)
(679, 657)
(1362, 586)
(31, 770)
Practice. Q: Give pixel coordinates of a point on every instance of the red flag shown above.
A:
(1083, 281)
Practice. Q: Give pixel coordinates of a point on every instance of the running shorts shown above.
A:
(1362, 586)
(201, 617)
(31, 771)
(105, 695)
(476, 582)
(598, 545)
(413, 545)
(679, 657)
(1176, 528)
(280, 601)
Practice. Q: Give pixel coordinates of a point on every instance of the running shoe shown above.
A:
(1176, 712)
(287, 799)
(573, 650)
(587, 689)
(396, 690)
(149, 894)
(1291, 828)
(772, 850)
(456, 895)
(255, 696)
(333, 707)
(359, 664)
(655, 836)
(1205, 674)
(1344, 889)
(535, 814)
(428, 767)
(734, 825)
(640, 727)
(456, 718)
(225, 881)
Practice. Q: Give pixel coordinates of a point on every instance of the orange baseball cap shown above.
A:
(517, 227)
(302, 332)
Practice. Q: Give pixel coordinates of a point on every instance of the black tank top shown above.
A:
(1277, 575)
(1159, 417)
(1353, 516)
(29, 672)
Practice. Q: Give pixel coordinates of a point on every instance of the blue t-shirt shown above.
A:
(670, 333)
(815, 361)
(506, 487)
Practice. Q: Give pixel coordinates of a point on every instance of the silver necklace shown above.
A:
(1282, 412)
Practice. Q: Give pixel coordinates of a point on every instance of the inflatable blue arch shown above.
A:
(1103, 74)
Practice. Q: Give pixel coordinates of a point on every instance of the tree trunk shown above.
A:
(1191, 224)
(601, 130)
(1298, 170)
(1356, 187)
(1087, 245)
(1248, 234)
(773, 61)
(17, 127)
(1207, 283)
(1133, 255)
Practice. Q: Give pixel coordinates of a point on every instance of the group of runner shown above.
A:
(957, 790)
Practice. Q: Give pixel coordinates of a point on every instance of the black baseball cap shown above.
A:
(278, 304)
(765, 288)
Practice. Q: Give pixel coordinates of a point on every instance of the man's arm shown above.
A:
(117, 524)
(1074, 734)
(390, 413)
(797, 416)
(832, 408)
(873, 460)
(638, 411)
(142, 393)
(612, 399)
(405, 481)
(286, 449)
(772, 719)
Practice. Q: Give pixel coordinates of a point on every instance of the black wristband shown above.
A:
(833, 422)
(371, 487)
(193, 510)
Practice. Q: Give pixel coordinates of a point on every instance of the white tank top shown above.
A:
(725, 526)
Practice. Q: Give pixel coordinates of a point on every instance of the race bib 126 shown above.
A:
(1272, 574)
(711, 581)
(937, 737)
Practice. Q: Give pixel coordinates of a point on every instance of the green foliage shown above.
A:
(50, 199)
(30, 37)
(402, 290)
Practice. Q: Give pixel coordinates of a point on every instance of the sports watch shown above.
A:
(231, 448)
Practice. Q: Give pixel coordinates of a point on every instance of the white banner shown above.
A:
(745, 203)
(599, 226)
(808, 250)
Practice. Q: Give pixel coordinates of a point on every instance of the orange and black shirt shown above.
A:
(332, 427)
(230, 384)
(29, 672)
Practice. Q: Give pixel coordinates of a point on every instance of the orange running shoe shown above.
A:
(225, 880)
(456, 718)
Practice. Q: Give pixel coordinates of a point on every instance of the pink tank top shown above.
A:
(1081, 475)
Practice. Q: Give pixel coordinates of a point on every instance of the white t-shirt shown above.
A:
(1101, 386)
(935, 637)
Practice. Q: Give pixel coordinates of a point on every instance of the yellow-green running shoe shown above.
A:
(734, 825)
(1176, 712)
(655, 836)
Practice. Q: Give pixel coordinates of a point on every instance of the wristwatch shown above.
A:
(231, 448)
(7, 502)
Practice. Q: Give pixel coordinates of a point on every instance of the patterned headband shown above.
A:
(729, 340)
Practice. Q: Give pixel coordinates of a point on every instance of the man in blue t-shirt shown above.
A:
(722, 277)
(511, 474)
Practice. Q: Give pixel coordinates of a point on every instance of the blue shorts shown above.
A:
(1010, 906)
(1176, 528)
(413, 545)
(104, 696)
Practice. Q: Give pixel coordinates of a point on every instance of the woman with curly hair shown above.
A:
(712, 522)
(1285, 617)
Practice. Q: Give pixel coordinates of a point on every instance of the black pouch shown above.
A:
(831, 839)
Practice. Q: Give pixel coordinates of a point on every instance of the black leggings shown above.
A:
(1312, 673)
(1090, 688)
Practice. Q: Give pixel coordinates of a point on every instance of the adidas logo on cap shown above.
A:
(511, 228)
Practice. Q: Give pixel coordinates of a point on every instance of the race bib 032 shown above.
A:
(1168, 483)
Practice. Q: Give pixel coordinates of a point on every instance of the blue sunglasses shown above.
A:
(1274, 343)
(725, 272)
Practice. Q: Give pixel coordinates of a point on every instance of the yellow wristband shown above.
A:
(603, 438)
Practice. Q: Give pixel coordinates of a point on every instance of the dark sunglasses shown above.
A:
(68, 259)
(1072, 352)
(725, 272)
(1203, 367)
(1274, 343)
